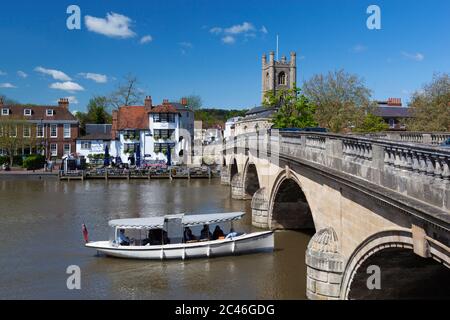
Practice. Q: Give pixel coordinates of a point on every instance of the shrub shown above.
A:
(34, 162)
(4, 160)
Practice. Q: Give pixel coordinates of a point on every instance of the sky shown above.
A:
(213, 48)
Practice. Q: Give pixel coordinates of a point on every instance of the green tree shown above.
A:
(97, 113)
(195, 102)
(342, 99)
(371, 123)
(12, 138)
(294, 109)
(430, 107)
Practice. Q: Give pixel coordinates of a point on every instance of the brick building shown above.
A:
(53, 130)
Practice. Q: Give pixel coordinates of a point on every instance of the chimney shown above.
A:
(148, 102)
(64, 103)
(395, 102)
(115, 122)
(165, 101)
(184, 102)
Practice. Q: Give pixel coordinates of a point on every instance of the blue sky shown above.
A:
(214, 48)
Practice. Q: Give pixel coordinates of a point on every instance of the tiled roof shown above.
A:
(39, 113)
(133, 117)
(257, 110)
(392, 112)
(166, 108)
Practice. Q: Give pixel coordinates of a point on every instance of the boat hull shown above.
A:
(255, 242)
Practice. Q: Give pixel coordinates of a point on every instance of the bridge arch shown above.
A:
(233, 168)
(251, 179)
(402, 272)
(288, 204)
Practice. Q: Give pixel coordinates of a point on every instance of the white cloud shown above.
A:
(66, 86)
(3, 73)
(413, 56)
(216, 30)
(72, 100)
(7, 85)
(246, 30)
(146, 39)
(228, 40)
(55, 74)
(240, 28)
(22, 74)
(99, 78)
(115, 25)
(359, 48)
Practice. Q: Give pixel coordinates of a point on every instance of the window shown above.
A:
(66, 130)
(40, 131)
(131, 135)
(27, 112)
(163, 134)
(130, 148)
(86, 145)
(66, 148)
(50, 112)
(164, 117)
(5, 112)
(282, 78)
(53, 131)
(26, 131)
(160, 148)
(13, 131)
(54, 149)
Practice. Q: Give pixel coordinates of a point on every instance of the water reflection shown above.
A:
(40, 236)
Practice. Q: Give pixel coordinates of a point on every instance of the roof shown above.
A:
(259, 109)
(180, 106)
(165, 108)
(96, 136)
(133, 117)
(188, 220)
(392, 112)
(98, 128)
(39, 113)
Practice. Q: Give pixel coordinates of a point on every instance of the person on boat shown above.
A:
(232, 234)
(205, 233)
(123, 239)
(218, 233)
(188, 235)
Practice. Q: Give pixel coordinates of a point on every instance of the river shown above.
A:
(40, 236)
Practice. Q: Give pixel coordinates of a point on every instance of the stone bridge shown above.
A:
(372, 201)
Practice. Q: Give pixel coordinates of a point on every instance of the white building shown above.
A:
(230, 126)
(94, 143)
(152, 134)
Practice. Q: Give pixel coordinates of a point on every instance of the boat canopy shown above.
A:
(187, 220)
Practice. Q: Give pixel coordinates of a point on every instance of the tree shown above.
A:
(7, 100)
(127, 93)
(430, 107)
(341, 98)
(195, 102)
(294, 109)
(97, 113)
(12, 138)
(372, 123)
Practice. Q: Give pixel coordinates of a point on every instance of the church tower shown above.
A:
(278, 75)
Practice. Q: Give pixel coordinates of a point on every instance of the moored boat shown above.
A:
(171, 237)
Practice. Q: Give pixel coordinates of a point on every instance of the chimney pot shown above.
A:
(64, 103)
(184, 101)
(148, 102)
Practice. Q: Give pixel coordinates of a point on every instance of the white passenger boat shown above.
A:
(171, 237)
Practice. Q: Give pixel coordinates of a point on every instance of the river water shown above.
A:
(40, 236)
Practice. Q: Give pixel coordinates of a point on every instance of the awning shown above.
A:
(188, 220)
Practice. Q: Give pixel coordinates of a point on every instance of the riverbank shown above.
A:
(33, 175)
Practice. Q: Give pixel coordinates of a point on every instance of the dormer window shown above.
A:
(27, 112)
(50, 112)
(5, 112)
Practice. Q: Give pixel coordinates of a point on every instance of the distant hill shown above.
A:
(214, 117)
